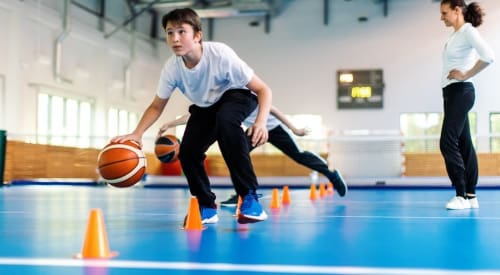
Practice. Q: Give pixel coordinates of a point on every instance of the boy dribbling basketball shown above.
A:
(222, 88)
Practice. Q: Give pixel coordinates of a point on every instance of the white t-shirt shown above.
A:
(271, 123)
(219, 70)
(462, 50)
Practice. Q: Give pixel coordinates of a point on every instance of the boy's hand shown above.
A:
(162, 129)
(259, 134)
(132, 136)
(301, 131)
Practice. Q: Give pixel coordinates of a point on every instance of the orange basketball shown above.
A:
(122, 164)
(167, 148)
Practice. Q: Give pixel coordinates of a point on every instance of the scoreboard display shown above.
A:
(360, 89)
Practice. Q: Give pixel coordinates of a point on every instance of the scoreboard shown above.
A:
(360, 89)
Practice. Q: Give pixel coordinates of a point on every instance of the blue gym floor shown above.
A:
(370, 231)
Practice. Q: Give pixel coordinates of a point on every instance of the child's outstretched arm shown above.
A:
(282, 117)
(173, 123)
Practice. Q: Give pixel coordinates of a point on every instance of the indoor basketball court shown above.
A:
(377, 230)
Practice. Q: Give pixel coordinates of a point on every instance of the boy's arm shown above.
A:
(278, 114)
(151, 114)
(258, 130)
(173, 123)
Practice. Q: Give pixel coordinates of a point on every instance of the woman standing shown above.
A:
(465, 55)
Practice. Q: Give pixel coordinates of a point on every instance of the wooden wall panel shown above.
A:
(264, 165)
(424, 164)
(216, 166)
(153, 164)
(26, 160)
(489, 164)
(432, 164)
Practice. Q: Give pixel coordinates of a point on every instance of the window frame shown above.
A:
(430, 141)
(69, 136)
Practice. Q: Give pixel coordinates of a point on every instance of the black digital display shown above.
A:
(360, 89)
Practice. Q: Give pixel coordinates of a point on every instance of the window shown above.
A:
(121, 122)
(495, 132)
(314, 141)
(63, 121)
(421, 131)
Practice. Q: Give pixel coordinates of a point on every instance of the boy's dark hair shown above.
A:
(182, 16)
(472, 12)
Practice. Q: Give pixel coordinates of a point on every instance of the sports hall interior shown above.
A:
(75, 73)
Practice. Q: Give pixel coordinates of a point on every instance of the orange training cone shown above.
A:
(193, 218)
(329, 188)
(322, 190)
(275, 201)
(285, 199)
(238, 205)
(96, 245)
(312, 193)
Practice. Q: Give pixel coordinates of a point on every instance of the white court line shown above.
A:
(336, 216)
(290, 269)
(14, 212)
(413, 217)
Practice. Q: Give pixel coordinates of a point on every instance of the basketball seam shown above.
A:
(141, 164)
(121, 160)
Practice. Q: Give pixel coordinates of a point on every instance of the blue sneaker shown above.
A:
(208, 215)
(338, 182)
(250, 210)
(232, 201)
